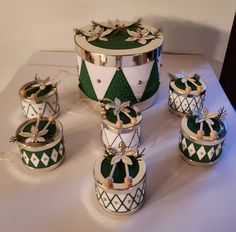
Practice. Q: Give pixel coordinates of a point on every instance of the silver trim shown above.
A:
(187, 133)
(119, 187)
(118, 57)
(41, 170)
(190, 95)
(198, 164)
(116, 61)
(40, 99)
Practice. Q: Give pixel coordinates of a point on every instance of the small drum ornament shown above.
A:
(120, 178)
(202, 137)
(41, 143)
(121, 122)
(119, 59)
(40, 97)
(186, 93)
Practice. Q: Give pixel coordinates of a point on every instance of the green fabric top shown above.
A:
(194, 127)
(49, 137)
(116, 40)
(181, 85)
(119, 173)
(41, 93)
(112, 118)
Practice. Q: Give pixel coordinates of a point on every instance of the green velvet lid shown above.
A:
(116, 111)
(205, 126)
(38, 132)
(118, 43)
(187, 83)
(119, 165)
(38, 89)
(119, 173)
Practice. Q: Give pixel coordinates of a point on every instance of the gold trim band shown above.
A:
(41, 99)
(198, 164)
(190, 95)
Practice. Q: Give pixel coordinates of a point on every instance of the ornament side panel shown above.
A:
(122, 201)
(44, 158)
(184, 104)
(48, 107)
(203, 154)
(112, 139)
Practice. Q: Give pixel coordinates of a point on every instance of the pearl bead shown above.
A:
(33, 96)
(128, 181)
(213, 135)
(51, 118)
(22, 92)
(188, 89)
(199, 88)
(200, 134)
(133, 121)
(103, 112)
(119, 124)
(108, 182)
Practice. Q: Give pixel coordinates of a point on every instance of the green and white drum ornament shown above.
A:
(186, 93)
(40, 97)
(119, 59)
(41, 143)
(121, 122)
(120, 178)
(202, 137)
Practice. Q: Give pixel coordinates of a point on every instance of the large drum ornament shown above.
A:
(119, 59)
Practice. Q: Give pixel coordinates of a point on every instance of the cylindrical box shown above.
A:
(118, 192)
(202, 136)
(40, 97)
(186, 93)
(41, 144)
(120, 123)
(119, 59)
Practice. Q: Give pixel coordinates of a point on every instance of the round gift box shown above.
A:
(120, 200)
(127, 70)
(42, 157)
(47, 104)
(181, 103)
(200, 152)
(129, 134)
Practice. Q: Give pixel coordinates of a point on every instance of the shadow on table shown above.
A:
(78, 141)
(167, 173)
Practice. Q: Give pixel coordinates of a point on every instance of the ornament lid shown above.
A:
(39, 132)
(38, 89)
(119, 116)
(120, 168)
(205, 127)
(189, 84)
(118, 43)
